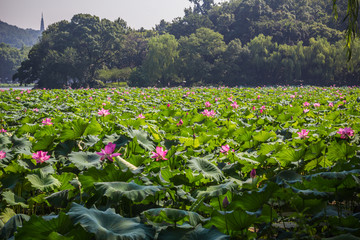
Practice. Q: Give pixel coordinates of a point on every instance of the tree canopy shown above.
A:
(237, 42)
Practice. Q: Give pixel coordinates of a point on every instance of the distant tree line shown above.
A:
(239, 42)
(10, 60)
(18, 37)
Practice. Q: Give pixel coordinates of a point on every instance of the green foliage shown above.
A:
(17, 37)
(10, 60)
(247, 172)
(109, 225)
(236, 43)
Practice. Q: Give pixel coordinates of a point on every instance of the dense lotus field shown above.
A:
(199, 163)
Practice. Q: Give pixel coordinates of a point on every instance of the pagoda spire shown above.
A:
(42, 28)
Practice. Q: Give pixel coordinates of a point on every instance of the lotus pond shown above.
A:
(199, 163)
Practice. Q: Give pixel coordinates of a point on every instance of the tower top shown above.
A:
(42, 27)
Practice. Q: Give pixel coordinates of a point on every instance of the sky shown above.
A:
(137, 13)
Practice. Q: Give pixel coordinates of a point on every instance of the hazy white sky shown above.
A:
(137, 13)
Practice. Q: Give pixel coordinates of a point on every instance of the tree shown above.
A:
(202, 6)
(235, 64)
(352, 15)
(159, 64)
(200, 54)
(70, 53)
(10, 60)
(114, 74)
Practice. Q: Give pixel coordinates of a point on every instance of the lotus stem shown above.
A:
(126, 163)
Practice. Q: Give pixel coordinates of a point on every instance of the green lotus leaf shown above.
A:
(65, 178)
(43, 143)
(27, 164)
(198, 233)
(263, 136)
(107, 225)
(142, 138)
(288, 155)
(21, 144)
(119, 140)
(253, 200)
(74, 130)
(56, 227)
(346, 236)
(288, 176)
(315, 150)
(43, 182)
(269, 147)
(235, 220)
(4, 141)
(109, 174)
(333, 175)
(186, 177)
(6, 215)
(28, 128)
(171, 215)
(216, 190)
(206, 168)
(58, 236)
(341, 151)
(11, 226)
(64, 148)
(14, 200)
(94, 128)
(85, 160)
(310, 194)
(58, 199)
(132, 191)
(90, 140)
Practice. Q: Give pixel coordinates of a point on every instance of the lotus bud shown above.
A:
(253, 173)
(225, 202)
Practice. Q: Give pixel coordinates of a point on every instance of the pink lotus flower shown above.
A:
(316, 104)
(2, 154)
(225, 149)
(168, 105)
(3, 130)
(262, 107)
(91, 98)
(207, 104)
(208, 113)
(306, 110)
(180, 123)
(103, 112)
(253, 108)
(47, 121)
(35, 110)
(234, 105)
(306, 104)
(345, 132)
(108, 152)
(303, 134)
(159, 154)
(40, 156)
(253, 173)
(141, 116)
(331, 104)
